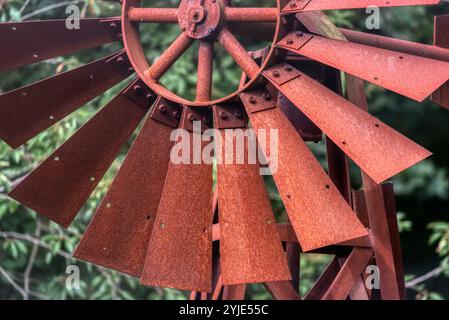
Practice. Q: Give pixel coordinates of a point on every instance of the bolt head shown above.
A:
(223, 115)
(252, 100)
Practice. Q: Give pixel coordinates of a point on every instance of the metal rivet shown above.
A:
(252, 100)
(162, 108)
(276, 74)
(108, 205)
(191, 117)
(137, 89)
(162, 225)
(223, 115)
(56, 159)
(51, 117)
(269, 221)
(238, 114)
(176, 114)
(120, 60)
(328, 186)
(92, 179)
(288, 68)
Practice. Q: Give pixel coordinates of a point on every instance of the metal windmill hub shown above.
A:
(200, 18)
(211, 22)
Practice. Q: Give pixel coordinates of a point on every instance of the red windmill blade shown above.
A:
(293, 6)
(42, 40)
(119, 233)
(28, 111)
(60, 186)
(156, 221)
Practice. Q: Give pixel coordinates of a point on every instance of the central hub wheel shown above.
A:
(209, 23)
(200, 18)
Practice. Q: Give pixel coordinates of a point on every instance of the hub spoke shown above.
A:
(238, 53)
(165, 15)
(169, 57)
(205, 69)
(251, 14)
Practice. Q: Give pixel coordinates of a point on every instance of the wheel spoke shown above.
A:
(205, 69)
(167, 15)
(169, 57)
(251, 14)
(238, 53)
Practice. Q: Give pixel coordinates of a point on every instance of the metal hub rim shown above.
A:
(131, 39)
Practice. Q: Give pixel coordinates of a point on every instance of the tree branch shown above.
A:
(418, 280)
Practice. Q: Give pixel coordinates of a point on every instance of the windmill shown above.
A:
(161, 221)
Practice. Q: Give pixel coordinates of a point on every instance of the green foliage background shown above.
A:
(34, 252)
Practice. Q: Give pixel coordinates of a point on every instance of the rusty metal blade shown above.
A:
(378, 149)
(317, 211)
(250, 247)
(180, 251)
(25, 43)
(399, 72)
(119, 233)
(318, 5)
(30, 110)
(441, 34)
(60, 186)
(414, 48)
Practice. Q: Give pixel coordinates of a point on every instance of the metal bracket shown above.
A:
(191, 115)
(295, 6)
(295, 40)
(229, 116)
(166, 112)
(281, 74)
(140, 94)
(257, 101)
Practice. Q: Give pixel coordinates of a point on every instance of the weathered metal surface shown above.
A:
(317, 211)
(348, 275)
(400, 72)
(238, 53)
(229, 116)
(390, 209)
(235, 292)
(441, 96)
(33, 41)
(169, 57)
(180, 251)
(324, 281)
(409, 47)
(205, 70)
(166, 15)
(29, 110)
(441, 33)
(61, 185)
(378, 149)
(199, 20)
(119, 233)
(282, 290)
(250, 247)
(318, 5)
(251, 14)
(307, 130)
(292, 251)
